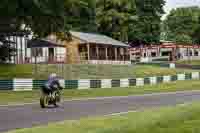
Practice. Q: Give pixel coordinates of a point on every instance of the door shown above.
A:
(51, 54)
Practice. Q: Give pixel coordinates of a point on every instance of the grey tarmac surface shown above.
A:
(30, 115)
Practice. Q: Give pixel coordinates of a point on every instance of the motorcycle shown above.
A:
(53, 98)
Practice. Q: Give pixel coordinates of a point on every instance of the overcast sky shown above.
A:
(170, 4)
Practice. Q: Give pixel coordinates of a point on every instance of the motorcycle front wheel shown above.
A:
(57, 99)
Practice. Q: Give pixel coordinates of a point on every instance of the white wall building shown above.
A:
(165, 52)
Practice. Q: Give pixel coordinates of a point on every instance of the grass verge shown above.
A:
(7, 97)
(179, 119)
(86, 71)
(190, 62)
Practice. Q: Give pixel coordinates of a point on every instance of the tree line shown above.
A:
(137, 21)
(182, 25)
(125, 20)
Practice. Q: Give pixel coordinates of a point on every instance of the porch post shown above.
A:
(21, 50)
(17, 52)
(115, 53)
(88, 51)
(26, 48)
(15, 48)
(97, 52)
(124, 49)
(106, 53)
(35, 49)
(56, 58)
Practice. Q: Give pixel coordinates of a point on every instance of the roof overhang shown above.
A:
(41, 43)
(84, 43)
(92, 38)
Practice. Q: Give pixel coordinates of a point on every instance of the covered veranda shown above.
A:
(44, 51)
(93, 51)
(96, 48)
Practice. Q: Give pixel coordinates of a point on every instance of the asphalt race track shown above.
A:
(25, 116)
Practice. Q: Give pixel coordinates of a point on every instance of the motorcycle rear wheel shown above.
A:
(44, 101)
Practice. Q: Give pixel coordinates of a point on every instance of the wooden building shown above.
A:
(85, 48)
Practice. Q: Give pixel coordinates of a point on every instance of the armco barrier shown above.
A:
(195, 75)
(30, 84)
(188, 76)
(124, 83)
(167, 79)
(153, 80)
(115, 83)
(6, 84)
(71, 84)
(95, 83)
(106, 83)
(22, 84)
(37, 83)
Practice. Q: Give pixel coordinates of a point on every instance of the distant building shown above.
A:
(83, 48)
(166, 51)
(18, 40)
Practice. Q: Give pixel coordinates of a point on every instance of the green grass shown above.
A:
(86, 71)
(192, 62)
(179, 119)
(153, 70)
(9, 71)
(24, 97)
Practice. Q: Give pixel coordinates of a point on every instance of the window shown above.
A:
(191, 54)
(186, 53)
(137, 54)
(196, 53)
(153, 54)
(166, 53)
(145, 55)
(36, 52)
(179, 55)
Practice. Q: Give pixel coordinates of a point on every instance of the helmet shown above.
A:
(53, 75)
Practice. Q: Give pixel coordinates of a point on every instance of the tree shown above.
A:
(43, 17)
(196, 33)
(148, 26)
(114, 16)
(181, 39)
(7, 50)
(182, 22)
(80, 15)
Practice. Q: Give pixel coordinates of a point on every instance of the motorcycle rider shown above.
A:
(52, 84)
